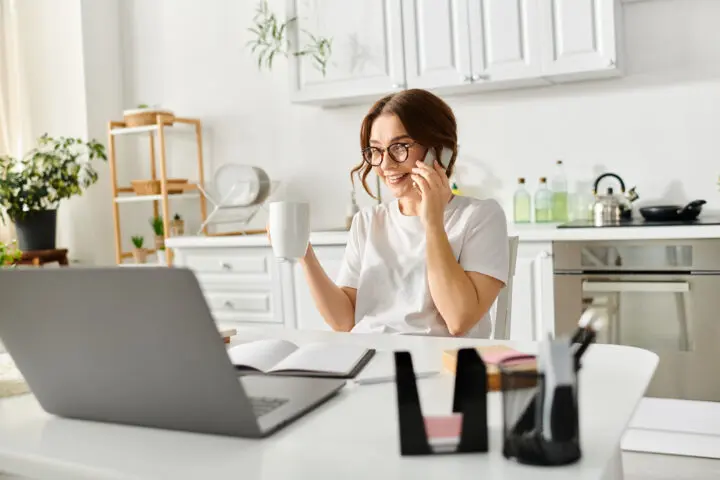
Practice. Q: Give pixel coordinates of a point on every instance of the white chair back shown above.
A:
(503, 304)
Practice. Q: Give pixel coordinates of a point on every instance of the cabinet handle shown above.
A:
(467, 79)
(545, 255)
(478, 76)
(229, 305)
(226, 266)
(399, 85)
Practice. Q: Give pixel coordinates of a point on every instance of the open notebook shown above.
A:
(281, 357)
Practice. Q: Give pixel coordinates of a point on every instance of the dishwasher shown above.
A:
(659, 295)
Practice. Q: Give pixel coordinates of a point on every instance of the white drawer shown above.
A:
(236, 261)
(240, 302)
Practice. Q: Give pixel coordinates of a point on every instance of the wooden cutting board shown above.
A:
(491, 355)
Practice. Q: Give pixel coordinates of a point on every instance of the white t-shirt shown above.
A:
(385, 261)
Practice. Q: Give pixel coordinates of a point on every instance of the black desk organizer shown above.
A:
(469, 399)
(522, 438)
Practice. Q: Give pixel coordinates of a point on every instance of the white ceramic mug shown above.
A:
(289, 229)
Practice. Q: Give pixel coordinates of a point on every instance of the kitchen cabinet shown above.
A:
(367, 53)
(533, 297)
(505, 41)
(437, 53)
(241, 286)
(580, 38)
(306, 315)
(451, 46)
(246, 285)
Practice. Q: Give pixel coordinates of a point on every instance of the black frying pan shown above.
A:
(667, 213)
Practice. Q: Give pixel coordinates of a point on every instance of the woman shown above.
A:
(428, 262)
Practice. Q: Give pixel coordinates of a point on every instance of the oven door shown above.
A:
(675, 316)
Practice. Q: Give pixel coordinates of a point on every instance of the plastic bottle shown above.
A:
(559, 187)
(521, 203)
(543, 203)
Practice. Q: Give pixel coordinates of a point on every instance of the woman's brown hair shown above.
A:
(426, 118)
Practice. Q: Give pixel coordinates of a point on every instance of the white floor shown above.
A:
(643, 466)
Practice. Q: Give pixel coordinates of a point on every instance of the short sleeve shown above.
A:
(486, 249)
(349, 274)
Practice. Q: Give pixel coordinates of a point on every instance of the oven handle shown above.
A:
(635, 287)
(681, 289)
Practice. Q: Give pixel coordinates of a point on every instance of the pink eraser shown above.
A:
(443, 426)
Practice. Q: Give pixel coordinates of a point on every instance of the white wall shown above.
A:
(73, 67)
(657, 127)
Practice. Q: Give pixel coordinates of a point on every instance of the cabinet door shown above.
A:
(367, 50)
(532, 297)
(505, 40)
(580, 37)
(306, 315)
(437, 43)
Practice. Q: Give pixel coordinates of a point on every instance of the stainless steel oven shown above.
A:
(660, 295)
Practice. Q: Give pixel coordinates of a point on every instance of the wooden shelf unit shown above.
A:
(126, 194)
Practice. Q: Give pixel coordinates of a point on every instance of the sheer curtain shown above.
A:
(14, 111)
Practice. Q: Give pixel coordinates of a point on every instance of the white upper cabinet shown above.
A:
(451, 46)
(437, 43)
(367, 49)
(505, 38)
(580, 38)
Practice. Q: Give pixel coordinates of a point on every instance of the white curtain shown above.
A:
(14, 110)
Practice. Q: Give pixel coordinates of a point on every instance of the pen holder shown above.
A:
(525, 432)
(465, 430)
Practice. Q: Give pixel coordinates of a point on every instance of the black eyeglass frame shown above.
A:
(382, 151)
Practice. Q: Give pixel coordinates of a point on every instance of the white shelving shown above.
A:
(132, 198)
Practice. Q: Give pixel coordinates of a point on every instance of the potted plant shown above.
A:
(10, 255)
(177, 226)
(159, 229)
(139, 253)
(161, 255)
(31, 188)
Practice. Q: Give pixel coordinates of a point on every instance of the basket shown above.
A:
(152, 187)
(143, 117)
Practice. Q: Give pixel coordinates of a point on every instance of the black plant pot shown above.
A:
(37, 230)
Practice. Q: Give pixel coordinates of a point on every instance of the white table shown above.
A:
(352, 436)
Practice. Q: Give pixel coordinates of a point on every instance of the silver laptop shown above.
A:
(139, 346)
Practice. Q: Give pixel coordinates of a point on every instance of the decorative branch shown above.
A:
(270, 40)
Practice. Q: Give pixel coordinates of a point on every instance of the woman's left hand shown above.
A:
(435, 192)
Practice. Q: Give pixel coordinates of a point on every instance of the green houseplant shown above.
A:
(139, 253)
(270, 40)
(9, 254)
(159, 230)
(32, 187)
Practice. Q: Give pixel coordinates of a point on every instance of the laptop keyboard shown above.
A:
(264, 405)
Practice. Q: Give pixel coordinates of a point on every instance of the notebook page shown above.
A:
(261, 354)
(323, 357)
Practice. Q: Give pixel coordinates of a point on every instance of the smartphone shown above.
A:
(445, 157)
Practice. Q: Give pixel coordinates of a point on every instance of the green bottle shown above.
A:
(521, 203)
(559, 187)
(543, 203)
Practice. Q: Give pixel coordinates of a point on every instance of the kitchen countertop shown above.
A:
(527, 232)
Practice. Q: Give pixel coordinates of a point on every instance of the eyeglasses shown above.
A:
(398, 152)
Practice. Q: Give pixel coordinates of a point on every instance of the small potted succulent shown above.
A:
(139, 253)
(177, 226)
(10, 255)
(161, 255)
(159, 230)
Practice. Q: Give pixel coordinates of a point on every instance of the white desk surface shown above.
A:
(352, 436)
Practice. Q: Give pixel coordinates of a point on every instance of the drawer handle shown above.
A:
(229, 305)
(226, 266)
